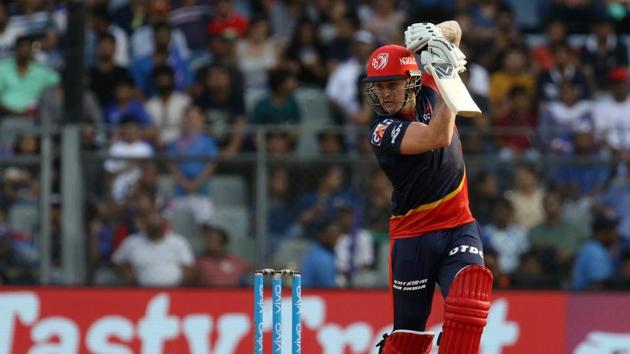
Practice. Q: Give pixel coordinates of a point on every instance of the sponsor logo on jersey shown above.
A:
(380, 62)
(379, 131)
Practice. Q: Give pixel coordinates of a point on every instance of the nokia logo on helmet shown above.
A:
(407, 60)
(380, 61)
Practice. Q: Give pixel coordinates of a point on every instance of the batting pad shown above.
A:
(466, 311)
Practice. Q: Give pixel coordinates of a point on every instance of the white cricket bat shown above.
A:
(453, 90)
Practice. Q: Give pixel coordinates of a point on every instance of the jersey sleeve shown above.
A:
(387, 134)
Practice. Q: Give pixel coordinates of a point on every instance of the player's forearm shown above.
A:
(442, 124)
(451, 30)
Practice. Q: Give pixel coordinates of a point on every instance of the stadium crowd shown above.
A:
(195, 78)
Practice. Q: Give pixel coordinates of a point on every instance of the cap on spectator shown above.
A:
(606, 220)
(364, 37)
(618, 74)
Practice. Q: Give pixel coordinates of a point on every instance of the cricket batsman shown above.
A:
(434, 237)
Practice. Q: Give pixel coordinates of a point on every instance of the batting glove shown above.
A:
(418, 35)
(440, 50)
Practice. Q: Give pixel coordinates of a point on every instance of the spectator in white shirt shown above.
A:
(167, 107)
(354, 251)
(125, 173)
(343, 83)
(155, 256)
(610, 113)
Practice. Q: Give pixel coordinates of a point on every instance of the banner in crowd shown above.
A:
(204, 321)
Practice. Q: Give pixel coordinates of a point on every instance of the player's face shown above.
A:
(391, 94)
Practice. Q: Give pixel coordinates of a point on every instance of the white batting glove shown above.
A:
(418, 35)
(440, 50)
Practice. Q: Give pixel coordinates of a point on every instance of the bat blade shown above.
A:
(453, 90)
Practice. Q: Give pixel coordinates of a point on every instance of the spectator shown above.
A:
(377, 207)
(500, 280)
(105, 75)
(532, 273)
(22, 80)
(603, 51)
(562, 236)
(564, 69)
(354, 251)
(559, 118)
(224, 108)
(18, 259)
(125, 106)
(155, 256)
(342, 88)
(514, 72)
(131, 16)
(281, 211)
(330, 142)
(49, 53)
(280, 106)
(622, 282)
(526, 197)
(256, 54)
(9, 33)
(318, 266)
(610, 113)
(595, 261)
(124, 173)
(102, 25)
(555, 34)
(31, 17)
(283, 18)
(339, 40)
(385, 21)
(167, 106)
(158, 33)
(305, 55)
(192, 18)
(576, 177)
(484, 191)
(164, 52)
(226, 20)
(217, 266)
(192, 176)
(504, 236)
(576, 14)
(616, 198)
(320, 206)
(520, 120)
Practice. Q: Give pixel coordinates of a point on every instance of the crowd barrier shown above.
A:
(208, 321)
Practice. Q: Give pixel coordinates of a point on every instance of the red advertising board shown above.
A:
(191, 321)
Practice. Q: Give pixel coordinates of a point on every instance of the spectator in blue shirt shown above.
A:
(125, 105)
(595, 261)
(192, 176)
(318, 267)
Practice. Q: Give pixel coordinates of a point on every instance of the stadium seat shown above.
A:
(228, 191)
(183, 223)
(24, 217)
(313, 107)
(12, 126)
(234, 219)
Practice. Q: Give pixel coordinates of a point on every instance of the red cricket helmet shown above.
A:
(391, 62)
(387, 63)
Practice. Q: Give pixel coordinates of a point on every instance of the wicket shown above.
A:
(296, 306)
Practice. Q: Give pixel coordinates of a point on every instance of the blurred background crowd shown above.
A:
(221, 135)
